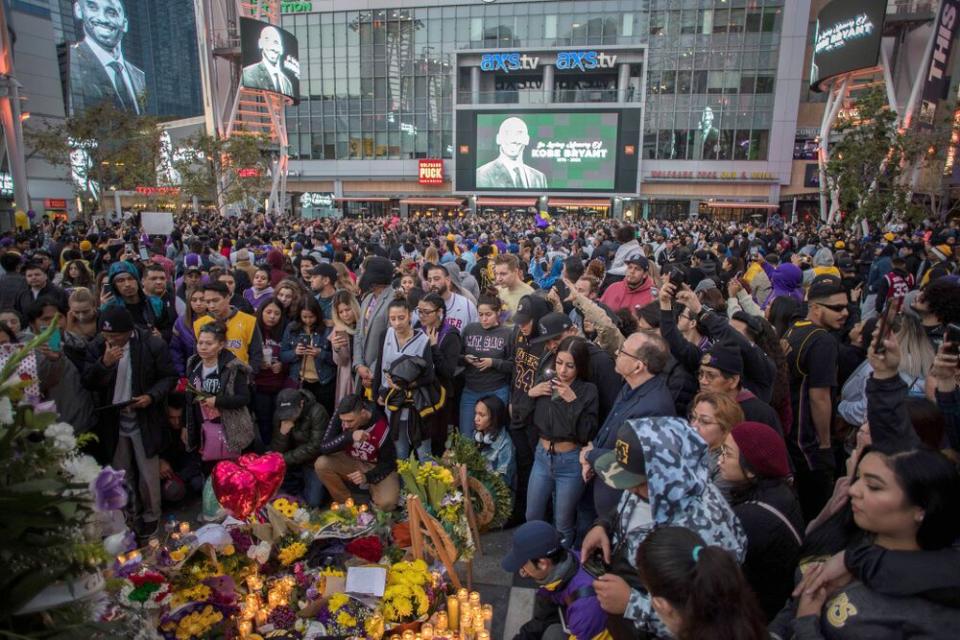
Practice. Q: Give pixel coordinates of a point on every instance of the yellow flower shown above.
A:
(344, 619)
(179, 554)
(291, 553)
(228, 550)
(337, 600)
(404, 608)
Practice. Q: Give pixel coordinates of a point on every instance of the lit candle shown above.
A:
(483, 635)
(363, 508)
(174, 536)
(426, 631)
(463, 594)
(245, 628)
(442, 622)
(475, 598)
(274, 598)
(184, 528)
(254, 583)
(335, 506)
(408, 635)
(466, 622)
(453, 611)
(487, 613)
(348, 503)
(261, 617)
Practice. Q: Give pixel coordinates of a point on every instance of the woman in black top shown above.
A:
(754, 464)
(565, 416)
(445, 344)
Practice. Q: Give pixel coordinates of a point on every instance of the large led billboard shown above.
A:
(270, 57)
(98, 69)
(538, 151)
(847, 38)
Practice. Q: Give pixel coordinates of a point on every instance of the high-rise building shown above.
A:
(390, 84)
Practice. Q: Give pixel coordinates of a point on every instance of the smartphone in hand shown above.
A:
(887, 322)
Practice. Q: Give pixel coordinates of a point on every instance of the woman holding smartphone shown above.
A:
(565, 416)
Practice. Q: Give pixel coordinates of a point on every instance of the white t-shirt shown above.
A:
(460, 311)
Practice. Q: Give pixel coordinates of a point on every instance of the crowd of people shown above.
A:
(711, 430)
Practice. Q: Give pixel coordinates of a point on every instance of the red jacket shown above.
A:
(620, 296)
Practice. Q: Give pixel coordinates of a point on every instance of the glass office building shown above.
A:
(379, 89)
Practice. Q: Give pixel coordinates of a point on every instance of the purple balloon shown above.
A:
(31, 214)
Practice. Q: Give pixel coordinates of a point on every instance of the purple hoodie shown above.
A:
(786, 280)
(256, 300)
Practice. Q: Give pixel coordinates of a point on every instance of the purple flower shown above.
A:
(108, 490)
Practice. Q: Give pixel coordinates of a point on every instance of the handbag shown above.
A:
(214, 445)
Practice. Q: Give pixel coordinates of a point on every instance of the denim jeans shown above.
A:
(468, 403)
(424, 450)
(558, 476)
(302, 481)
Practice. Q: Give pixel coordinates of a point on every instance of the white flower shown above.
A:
(81, 469)
(62, 436)
(6, 410)
(260, 552)
(301, 516)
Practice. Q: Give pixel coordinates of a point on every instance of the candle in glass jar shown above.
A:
(245, 628)
(274, 598)
(475, 598)
(463, 594)
(483, 635)
(442, 622)
(426, 631)
(453, 611)
(261, 617)
(363, 508)
(335, 506)
(408, 635)
(184, 528)
(348, 503)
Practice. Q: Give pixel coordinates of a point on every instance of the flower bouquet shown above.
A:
(343, 616)
(54, 501)
(346, 521)
(435, 486)
(411, 593)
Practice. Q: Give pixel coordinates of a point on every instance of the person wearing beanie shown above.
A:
(130, 372)
(756, 467)
(372, 323)
(123, 288)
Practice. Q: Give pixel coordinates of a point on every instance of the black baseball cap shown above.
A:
(624, 467)
(532, 540)
(530, 307)
(825, 286)
(726, 358)
(551, 326)
(637, 259)
(325, 269)
(288, 404)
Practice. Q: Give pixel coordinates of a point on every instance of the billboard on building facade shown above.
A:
(270, 57)
(98, 69)
(847, 38)
(548, 150)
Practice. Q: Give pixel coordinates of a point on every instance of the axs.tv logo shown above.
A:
(508, 62)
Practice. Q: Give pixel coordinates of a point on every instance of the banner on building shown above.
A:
(936, 81)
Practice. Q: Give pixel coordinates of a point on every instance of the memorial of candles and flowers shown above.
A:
(271, 569)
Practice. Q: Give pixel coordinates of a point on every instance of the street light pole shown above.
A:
(10, 116)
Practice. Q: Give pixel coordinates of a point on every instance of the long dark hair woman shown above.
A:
(565, 416)
(697, 590)
(272, 376)
(445, 345)
(307, 349)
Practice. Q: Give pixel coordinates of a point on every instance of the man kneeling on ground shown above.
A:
(357, 447)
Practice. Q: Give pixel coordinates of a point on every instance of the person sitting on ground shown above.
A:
(357, 447)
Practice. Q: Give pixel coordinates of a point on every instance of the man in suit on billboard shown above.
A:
(508, 171)
(98, 70)
(268, 74)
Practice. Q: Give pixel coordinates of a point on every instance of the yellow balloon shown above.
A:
(544, 215)
(21, 220)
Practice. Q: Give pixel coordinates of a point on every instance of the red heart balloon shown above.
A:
(235, 488)
(268, 470)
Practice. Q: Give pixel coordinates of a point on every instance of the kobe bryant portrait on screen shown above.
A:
(98, 69)
(508, 171)
(268, 73)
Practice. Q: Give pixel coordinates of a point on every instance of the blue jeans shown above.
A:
(424, 450)
(558, 476)
(302, 481)
(468, 403)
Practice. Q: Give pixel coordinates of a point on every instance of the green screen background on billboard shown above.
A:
(573, 151)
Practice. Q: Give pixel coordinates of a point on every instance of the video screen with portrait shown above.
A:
(537, 151)
(270, 57)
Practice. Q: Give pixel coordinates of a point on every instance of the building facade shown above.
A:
(717, 84)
